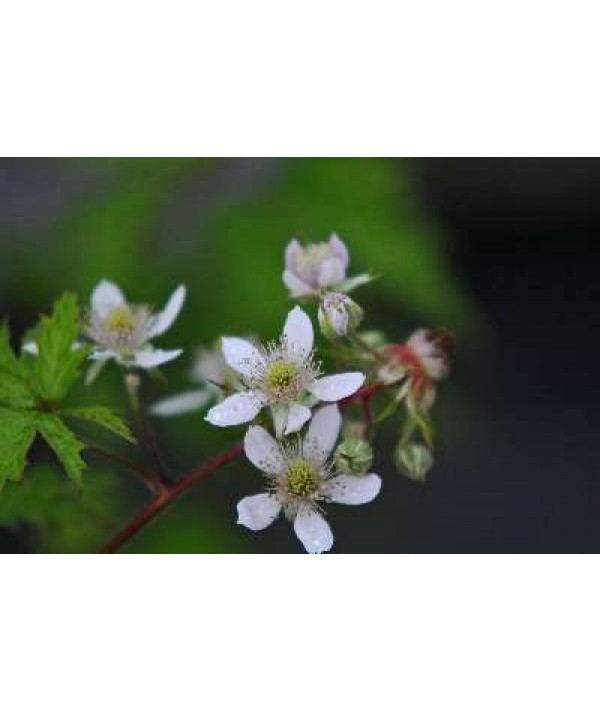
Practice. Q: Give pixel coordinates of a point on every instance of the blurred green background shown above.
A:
(220, 227)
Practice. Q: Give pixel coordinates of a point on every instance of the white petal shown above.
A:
(153, 358)
(352, 490)
(332, 388)
(313, 530)
(209, 365)
(331, 272)
(323, 432)
(165, 319)
(280, 414)
(31, 348)
(94, 370)
(235, 410)
(258, 512)
(298, 332)
(340, 250)
(102, 355)
(181, 404)
(292, 252)
(263, 451)
(297, 416)
(105, 297)
(298, 287)
(241, 355)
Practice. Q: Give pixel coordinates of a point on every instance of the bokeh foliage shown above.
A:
(220, 227)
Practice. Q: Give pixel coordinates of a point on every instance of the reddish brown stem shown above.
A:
(172, 491)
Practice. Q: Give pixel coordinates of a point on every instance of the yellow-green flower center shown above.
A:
(120, 320)
(302, 478)
(281, 375)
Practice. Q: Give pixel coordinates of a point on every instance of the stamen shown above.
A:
(120, 319)
(281, 376)
(302, 478)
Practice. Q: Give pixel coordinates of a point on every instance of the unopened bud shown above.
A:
(338, 315)
(414, 460)
(353, 456)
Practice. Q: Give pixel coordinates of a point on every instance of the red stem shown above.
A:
(173, 491)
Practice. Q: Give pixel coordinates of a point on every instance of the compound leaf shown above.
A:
(17, 432)
(104, 417)
(64, 443)
(58, 362)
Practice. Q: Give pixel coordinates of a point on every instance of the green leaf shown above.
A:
(15, 392)
(104, 417)
(64, 443)
(64, 520)
(14, 387)
(8, 360)
(17, 432)
(58, 365)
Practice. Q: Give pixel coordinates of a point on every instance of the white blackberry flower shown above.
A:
(284, 376)
(122, 332)
(300, 480)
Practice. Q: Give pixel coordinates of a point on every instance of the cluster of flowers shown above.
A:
(283, 381)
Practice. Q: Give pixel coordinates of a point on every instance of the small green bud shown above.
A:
(414, 460)
(353, 456)
(338, 315)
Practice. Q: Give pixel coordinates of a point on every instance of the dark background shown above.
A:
(504, 251)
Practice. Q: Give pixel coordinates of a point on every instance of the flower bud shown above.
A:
(414, 460)
(353, 456)
(338, 315)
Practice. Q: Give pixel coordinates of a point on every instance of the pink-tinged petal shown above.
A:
(332, 388)
(352, 490)
(313, 530)
(165, 319)
(340, 250)
(235, 410)
(106, 297)
(298, 415)
(153, 358)
(296, 286)
(331, 272)
(182, 404)
(298, 332)
(258, 512)
(241, 355)
(323, 432)
(292, 253)
(263, 451)
(420, 343)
